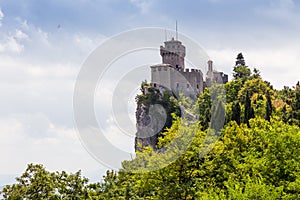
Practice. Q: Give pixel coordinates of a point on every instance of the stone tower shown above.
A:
(173, 53)
(170, 76)
(213, 76)
(210, 65)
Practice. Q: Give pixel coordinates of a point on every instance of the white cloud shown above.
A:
(281, 11)
(1, 16)
(143, 5)
(59, 150)
(38, 70)
(86, 44)
(20, 34)
(282, 4)
(277, 64)
(40, 46)
(14, 70)
(23, 23)
(43, 36)
(11, 45)
(36, 123)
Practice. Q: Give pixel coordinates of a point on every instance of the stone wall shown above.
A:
(189, 82)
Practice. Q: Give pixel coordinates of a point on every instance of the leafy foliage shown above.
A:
(37, 183)
(257, 156)
(240, 60)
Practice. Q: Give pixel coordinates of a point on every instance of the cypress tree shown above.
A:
(268, 107)
(296, 106)
(285, 117)
(247, 108)
(240, 60)
(236, 112)
(249, 111)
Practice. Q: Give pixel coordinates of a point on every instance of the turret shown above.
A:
(173, 53)
(210, 65)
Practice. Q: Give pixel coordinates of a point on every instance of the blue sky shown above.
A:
(43, 44)
(108, 17)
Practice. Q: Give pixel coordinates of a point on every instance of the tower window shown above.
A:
(187, 85)
(197, 86)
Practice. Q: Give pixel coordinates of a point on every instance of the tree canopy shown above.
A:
(257, 154)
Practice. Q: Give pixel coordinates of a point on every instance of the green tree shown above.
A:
(254, 86)
(240, 60)
(258, 159)
(290, 101)
(256, 74)
(295, 104)
(232, 90)
(38, 183)
(236, 112)
(205, 103)
(269, 107)
(241, 71)
(248, 111)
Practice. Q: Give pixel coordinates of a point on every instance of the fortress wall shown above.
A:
(178, 82)
(195, 78)
(161, 75)
(187, 81)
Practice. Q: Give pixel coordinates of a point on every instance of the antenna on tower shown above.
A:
(166, 37)
(176, 31)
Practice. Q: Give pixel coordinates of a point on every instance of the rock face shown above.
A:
(153, 115)
(143, 121)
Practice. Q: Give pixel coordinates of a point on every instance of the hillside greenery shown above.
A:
(256, 154)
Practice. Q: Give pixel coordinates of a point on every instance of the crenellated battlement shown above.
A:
(173, 75)
(173, 53)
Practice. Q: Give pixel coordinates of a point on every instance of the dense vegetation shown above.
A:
(256, 157)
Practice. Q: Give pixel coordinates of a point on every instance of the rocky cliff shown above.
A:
(153, 115)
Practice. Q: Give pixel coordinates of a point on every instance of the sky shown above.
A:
(43, 45)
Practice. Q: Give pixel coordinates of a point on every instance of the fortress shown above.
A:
(173, 75)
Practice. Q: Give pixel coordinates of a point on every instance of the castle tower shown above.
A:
(173, 53)
(210, 65)
(213, 76)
